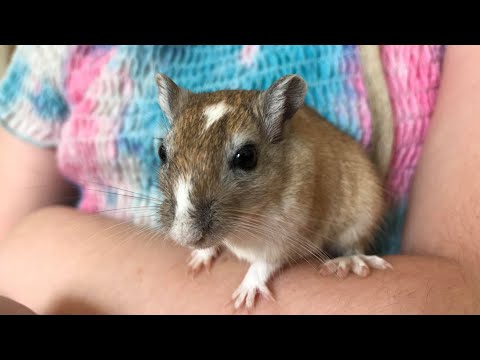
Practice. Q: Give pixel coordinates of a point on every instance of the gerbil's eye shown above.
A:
(245, 158)
(162, 153)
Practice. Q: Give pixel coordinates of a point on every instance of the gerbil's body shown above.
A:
(265, 176)
(328, 196)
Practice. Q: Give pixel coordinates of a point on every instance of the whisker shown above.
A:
(94, 216)
(129, 191)
(289, 257)
(125, 195)
(231, 210)
(300, 241)
(287, 233)
(266, 223)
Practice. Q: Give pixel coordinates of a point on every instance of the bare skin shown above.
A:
(30, 180)
(90, 266)
(445, 209)
(55, 260)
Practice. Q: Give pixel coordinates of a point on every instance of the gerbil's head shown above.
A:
(222, 162)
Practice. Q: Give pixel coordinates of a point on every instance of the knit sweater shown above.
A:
(97, 106)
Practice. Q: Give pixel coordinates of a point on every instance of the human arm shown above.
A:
(32, 110)
(30, 180)
(444, 219)
(59, 261)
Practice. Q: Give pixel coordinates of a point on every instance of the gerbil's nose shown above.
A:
(204, 215)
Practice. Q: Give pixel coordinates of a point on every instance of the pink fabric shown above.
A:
(247, 56)
(413, 77)
(84, 71)
(364, 112)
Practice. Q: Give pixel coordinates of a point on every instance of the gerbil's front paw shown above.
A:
(358, 264)
(246, 293)
(200, 259)
(255, 281)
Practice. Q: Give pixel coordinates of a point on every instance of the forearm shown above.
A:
(30, 180)
(58, 261)
(444, 208)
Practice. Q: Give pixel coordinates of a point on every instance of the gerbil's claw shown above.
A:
(358, 264)
(245, 295)
(254, 282)
(201, 259)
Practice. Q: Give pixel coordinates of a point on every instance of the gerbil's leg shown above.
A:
(202, 258)
(255, 281)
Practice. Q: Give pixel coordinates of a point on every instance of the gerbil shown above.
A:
(265, 176)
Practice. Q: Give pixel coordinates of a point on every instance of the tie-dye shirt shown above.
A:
(97, 105)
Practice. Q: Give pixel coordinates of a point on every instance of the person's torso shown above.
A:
(108, 142)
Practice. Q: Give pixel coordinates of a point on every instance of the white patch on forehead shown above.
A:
(182, 208)
(215, 112)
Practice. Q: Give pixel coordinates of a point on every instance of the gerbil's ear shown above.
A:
(171, 97)
(280, 102)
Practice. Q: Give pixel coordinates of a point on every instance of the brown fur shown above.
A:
(345, 182)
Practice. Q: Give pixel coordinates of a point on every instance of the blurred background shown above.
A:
(5, 54)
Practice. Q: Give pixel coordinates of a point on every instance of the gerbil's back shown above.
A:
(344, 182)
